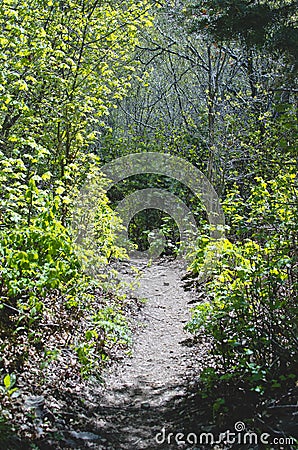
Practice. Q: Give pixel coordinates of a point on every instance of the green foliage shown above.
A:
(8, 392)
(252, 295)
(255, 22)
(64, 65)
(36, 259)
(140, 229)
(9, 382)
(265, 145)
(65, 70)
(95, 225)
(270, 211)
(108, 329)
(40, 263)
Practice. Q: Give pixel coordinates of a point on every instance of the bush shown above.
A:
(43, 278)
(251, 307)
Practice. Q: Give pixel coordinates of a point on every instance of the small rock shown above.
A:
(84, 435)
(36, 401)
(145, 405)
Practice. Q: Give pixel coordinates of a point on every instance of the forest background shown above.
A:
(83, 83)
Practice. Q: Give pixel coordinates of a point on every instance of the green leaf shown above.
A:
(7, 381)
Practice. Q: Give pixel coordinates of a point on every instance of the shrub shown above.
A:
(251, 303)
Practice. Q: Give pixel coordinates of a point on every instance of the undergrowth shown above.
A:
(250, 309)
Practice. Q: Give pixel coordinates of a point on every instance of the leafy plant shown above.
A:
(9, 382)
(250, 310)
(109, 329)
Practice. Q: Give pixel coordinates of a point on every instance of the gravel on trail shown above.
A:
(147, 396)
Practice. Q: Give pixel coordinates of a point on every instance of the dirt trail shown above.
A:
(151, 400)
(148, 391)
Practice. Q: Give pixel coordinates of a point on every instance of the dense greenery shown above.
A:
(82, 83)
(262, 23)
(252, 289)
(63, 64)
(225, 98)
(63, 67)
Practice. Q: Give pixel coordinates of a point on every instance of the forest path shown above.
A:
(150, 390)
